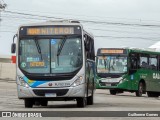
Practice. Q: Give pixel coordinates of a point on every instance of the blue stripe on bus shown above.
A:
(33, 83)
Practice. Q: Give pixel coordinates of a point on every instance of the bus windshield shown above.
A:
(55, 55)
(111, 64)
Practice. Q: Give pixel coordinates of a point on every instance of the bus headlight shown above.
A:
(120, 81)
(78, 81)
(22, 82)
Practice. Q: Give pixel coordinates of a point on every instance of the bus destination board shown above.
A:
(112, 51)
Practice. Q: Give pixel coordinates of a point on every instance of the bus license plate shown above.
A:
(108, 84)
(50, 95)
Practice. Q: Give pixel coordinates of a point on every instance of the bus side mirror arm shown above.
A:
(13, 46)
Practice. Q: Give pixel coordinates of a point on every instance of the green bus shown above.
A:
(128, 69)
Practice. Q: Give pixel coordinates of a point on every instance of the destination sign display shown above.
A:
(37, 64)
(50, 30)
(111, 51)
(116, 51)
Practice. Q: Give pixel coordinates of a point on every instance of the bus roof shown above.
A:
(63, 22)
(144, 50)
(136, 50)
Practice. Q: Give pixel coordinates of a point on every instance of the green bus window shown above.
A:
(153, 63)
(134, 61)
(158, 62)
(143, 62)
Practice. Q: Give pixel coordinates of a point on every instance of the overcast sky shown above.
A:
(130, 23)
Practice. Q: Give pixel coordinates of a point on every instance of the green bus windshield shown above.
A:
(111, 64)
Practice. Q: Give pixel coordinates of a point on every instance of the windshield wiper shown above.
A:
(38, 48)
(60, 48)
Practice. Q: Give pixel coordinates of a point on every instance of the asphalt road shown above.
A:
(103, 102)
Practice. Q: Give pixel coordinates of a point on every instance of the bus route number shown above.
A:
(36, 64)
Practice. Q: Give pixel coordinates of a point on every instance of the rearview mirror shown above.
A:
(13, 48)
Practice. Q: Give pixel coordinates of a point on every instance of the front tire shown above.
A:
(140, 91)
(28, 103)
(81, 102)
(90, 99)
(113, 92)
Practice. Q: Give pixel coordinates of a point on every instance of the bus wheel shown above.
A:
(90, 99)
(28, 103)
(139, 92)
(152, 94)
(81, 102)
(113, 92)
(44, 103)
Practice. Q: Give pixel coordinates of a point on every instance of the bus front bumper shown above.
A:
(113, 85)
(77, 91)
(106, 85)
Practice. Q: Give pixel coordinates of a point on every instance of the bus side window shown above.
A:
(153, 63)
(144, 62)
(89, 46)
(134, 61)
(159, 63)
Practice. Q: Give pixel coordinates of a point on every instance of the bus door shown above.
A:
(133, 63)
(90, 64)
(90, 76)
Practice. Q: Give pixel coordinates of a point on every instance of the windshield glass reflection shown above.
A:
(111, 64)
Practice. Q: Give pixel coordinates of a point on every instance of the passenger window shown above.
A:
(159, 62)
(153, 63)
(143, 62)
(89, 45)
(134, 61)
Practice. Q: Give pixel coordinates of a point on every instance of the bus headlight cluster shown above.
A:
(78, 81)
(22, 82)
(121, 80)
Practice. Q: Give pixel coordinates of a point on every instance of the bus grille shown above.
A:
(108, 84)
(41, 92)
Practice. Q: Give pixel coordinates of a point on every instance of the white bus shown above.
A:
(54, 61)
